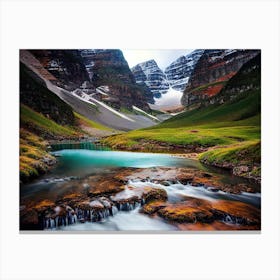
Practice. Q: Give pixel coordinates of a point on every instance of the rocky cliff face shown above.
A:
(66, 65)
(212, 71)
(35, 95)
(246, 81)
(179, 71)
(152, 76)
(108, 68)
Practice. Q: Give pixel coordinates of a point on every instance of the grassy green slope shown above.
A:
(215, 125)
(241, 111)
(45, 127)
(35, 128)
(33, 155)
(85, 121)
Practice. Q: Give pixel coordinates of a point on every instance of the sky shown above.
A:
(162, 57)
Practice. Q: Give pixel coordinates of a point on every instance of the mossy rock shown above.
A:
(155, 195)
(153, 207)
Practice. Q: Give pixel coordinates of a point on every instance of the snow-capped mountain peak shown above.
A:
(150, 74)
(175, 76)
(179, 71)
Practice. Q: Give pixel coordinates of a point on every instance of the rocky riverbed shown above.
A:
(186, 198)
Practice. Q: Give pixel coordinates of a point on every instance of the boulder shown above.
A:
(155, 194)
(236, 211)
(190, 211)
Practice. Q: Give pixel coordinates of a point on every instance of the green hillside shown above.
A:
(216, 125)
(244, 110)
(47, 128)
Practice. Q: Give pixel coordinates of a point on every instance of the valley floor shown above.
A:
(235, 148)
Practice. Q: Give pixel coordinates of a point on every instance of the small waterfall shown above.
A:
(228, 219)
(52, 223)
(114, 210)
(90, 215)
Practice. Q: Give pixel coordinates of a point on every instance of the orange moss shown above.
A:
(190, 211)
(46, 203)
(238, 209)
(153, 207)
(72, 195)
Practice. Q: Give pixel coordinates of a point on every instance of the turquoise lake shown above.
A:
(80, 162)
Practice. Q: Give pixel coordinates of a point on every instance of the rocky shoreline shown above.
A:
(148, 145)
(96, 197)
(247, 171)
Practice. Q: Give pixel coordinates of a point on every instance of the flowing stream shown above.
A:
(79, 163)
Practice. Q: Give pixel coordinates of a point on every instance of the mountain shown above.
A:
(108, 69)
(240, 99)
(89, 103)
(212, 71)
(179, 71)
(65, 65)
(151, 75)
(175, 76)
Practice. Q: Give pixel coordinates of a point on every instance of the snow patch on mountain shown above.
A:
(180, 70)
(145, 113)
(167, 86)
(90, 99)
(171, 98)
(150, 74)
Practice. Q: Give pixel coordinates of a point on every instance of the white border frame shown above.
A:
(135, 24)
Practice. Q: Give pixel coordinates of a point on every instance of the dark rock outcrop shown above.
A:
(66, 65)
(247, 80)
(35, 95)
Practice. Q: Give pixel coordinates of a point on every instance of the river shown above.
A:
(76, 164)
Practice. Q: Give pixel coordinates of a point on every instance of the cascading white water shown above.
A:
(112, 215)
(123, 220)
(177, 192)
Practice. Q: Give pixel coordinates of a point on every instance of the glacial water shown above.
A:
(77, 162)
